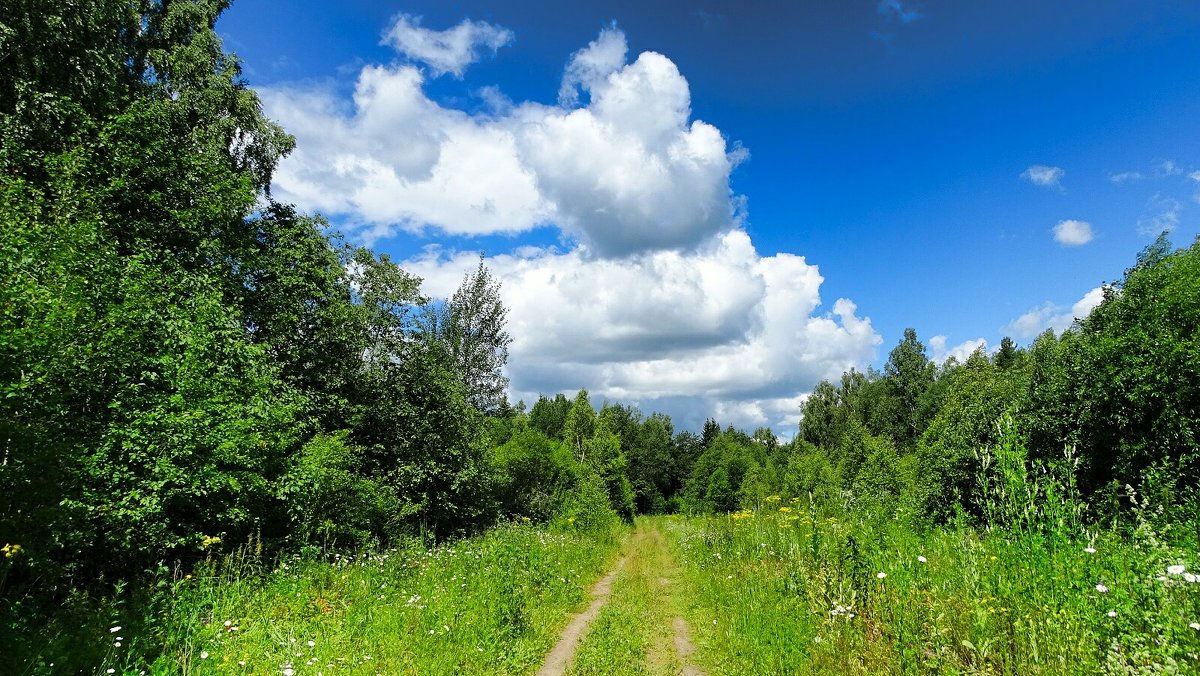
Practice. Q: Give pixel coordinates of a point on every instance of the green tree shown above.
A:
(909, 375)
(471, 326)
(1136, 385)
(550, 415)
(579, 426)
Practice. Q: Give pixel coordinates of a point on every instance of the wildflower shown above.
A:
(10, 550)
(114, 629)
(1090, 550)
(1112, 613)
(880, 575)
(1101, 588)
(1189, 577)
(922, 559)
(116, 644)
(111, 671)
(288, 671)
(1195, 625)
(312, 644)
(228, 624)
(203, 654)
(1175, 570)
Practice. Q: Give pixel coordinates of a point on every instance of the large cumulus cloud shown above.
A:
(625, 172)
(659, 299)
(718, 331)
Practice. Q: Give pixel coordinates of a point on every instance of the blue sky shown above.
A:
(704, 208)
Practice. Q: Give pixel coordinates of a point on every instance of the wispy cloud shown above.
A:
(1125, 177)
(1073, 233)
(1168, 168)
(448, 51)
(1161, 215)
(1047, 177)
(897, 9)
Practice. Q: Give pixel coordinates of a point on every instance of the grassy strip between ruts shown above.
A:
(493, 604)
(633, 634)
(776, 592)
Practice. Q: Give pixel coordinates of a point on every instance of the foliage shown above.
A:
(471, 327)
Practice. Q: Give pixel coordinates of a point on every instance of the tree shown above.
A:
(579, 425)
(471, 326)
(908, 374)
(1008, 354)
(549, 415)
(711, 431)
(1135, 381)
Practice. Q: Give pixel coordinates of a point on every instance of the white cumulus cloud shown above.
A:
(1052, 316)
(1047, 177)
(1073, 233)
(659, 298)
(448, 51)
(718, 329)
(939, 353)
(625, 173)
(589, 66)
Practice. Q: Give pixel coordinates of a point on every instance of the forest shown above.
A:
(200, 382)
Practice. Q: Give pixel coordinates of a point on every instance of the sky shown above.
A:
(704, 208)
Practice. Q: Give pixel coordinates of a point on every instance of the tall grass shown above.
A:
(785, 590)
(486, 605)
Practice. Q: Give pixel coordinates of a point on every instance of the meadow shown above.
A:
(484, 605)
(777, 590)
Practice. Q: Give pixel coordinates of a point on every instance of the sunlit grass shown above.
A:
(777, 591)
(492, 604)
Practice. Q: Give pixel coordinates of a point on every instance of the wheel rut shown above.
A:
(647, 601)
(563, 652)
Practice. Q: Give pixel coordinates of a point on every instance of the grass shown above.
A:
(633, 633)
(781, 590)
(487, 605)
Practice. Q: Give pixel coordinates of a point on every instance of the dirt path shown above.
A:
(560, 657)
(684, 646)
(640, 629)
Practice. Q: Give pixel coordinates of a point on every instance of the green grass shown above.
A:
(778, 591)
(487, 605)
(633, 633)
